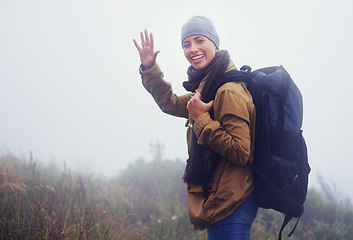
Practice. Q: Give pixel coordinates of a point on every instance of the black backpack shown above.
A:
(280, 164)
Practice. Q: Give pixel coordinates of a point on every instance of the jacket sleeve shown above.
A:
(162, 92)
(229, 134)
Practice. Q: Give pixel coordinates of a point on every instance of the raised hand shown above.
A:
(147, 54)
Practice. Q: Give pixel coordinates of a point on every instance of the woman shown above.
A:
(220, 131)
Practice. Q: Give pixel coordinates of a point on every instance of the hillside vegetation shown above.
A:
(145, 201)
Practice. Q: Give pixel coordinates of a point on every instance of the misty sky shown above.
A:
(71, 91)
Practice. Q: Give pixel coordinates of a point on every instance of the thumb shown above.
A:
(210, 104)
(155, 54)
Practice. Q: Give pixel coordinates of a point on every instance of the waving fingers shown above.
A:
(147, 38)
(147, 54)
(151, 40)
(137, 45)
(143, 42)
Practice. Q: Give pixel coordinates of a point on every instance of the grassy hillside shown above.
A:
(145, 201)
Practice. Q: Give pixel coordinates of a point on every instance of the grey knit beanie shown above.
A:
(199, 25)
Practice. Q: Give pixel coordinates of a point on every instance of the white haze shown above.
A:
(71, 92)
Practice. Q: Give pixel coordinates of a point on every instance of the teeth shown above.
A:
(197, 57)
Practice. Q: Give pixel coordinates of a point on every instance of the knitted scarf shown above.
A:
(199, 170)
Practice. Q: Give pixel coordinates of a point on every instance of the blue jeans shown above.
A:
(236, 226)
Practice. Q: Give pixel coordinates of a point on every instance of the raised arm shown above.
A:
(153, 79)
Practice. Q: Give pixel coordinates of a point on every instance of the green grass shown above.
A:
(38, 202)
(44, 203)
(145, 201)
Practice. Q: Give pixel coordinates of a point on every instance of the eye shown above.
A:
(186, 45)
(200, 40)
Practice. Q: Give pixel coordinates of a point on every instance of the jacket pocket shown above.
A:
(201, 209)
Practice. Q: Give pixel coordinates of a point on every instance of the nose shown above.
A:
(193, 48)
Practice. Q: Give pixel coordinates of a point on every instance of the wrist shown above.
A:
(146, 67)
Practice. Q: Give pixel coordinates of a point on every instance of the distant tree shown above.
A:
(157, 150)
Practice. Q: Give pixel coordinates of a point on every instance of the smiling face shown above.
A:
(199, 50)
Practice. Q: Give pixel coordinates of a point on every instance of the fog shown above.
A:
(71, 91)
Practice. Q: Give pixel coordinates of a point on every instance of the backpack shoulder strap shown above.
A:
(230, 76)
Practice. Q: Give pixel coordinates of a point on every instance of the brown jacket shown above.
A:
(231, 135)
